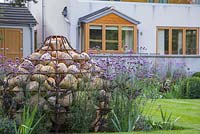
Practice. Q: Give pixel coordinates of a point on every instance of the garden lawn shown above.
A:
(187, 109)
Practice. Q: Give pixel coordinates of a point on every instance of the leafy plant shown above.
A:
(174, 91)
(127, 104)
(6, 126)
(44, 125)
(27, 126)
(190, 88)
(197, 74)
(131, 122)
(166, 123)
(21, 3)
(82, 111)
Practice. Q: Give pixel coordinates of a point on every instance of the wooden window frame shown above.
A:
(95, 40)
(183, 40)
(120, 48)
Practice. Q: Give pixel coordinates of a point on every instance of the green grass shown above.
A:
(187, 109)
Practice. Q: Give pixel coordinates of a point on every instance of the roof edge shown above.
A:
(108, 10)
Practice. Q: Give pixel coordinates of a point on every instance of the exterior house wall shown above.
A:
(157, 1)
(150, 15)
(27, 41)
(188, 64)
(53, 21)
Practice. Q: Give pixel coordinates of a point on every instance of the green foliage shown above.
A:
(151, 88)
(28, 126)
(21, 3)
(6, 126)
(124, 122)
(190, 88)
(82, 111)
(174, 91)
(187, 109)
(127, 104)
(44, 125)
(166, 123)
(197, 74)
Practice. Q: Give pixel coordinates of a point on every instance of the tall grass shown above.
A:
(27, 126)
(166, 122)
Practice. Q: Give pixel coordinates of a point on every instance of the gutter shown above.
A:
(43, 33)
(31, 34)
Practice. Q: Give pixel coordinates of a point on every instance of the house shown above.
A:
(16, 31)
(164, 31)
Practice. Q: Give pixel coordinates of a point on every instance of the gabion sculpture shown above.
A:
(49, 77)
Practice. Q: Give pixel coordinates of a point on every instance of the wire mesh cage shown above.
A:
(50, 78)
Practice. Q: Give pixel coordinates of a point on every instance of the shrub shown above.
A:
(81, 113)
(6, 126)
(127, 103)
(197, 74)
(174, 92)
(190, 88)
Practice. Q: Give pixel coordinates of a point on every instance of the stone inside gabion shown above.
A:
(50, 78)
(55, 65)
(52, 73)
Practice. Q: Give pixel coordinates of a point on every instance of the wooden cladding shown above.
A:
(11, 43)
(111, 19)
(110, 34)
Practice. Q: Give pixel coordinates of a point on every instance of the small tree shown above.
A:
(21, 3)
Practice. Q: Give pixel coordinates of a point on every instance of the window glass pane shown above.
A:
(163, 41)
(127, 38)
(111, 38)
(191, 41)
(177, 41)
(151, 1)
(163, 1)
(95, 37)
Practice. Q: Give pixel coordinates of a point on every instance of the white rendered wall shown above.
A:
(54, 22)
(150, 15)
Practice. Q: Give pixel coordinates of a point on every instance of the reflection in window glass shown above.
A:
(163, 41)
(177, 41)
(163, 1)
(191, 41)
(127, 38)
(150, 1)
(95, 37)
(111, 38)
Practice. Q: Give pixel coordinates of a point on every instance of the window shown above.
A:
(163, 1)
(112, 38)
(127, 38)
(163, 41)
(158, 1)
(151, 1)
(177, 41)
(95, 37)
(191, 39)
